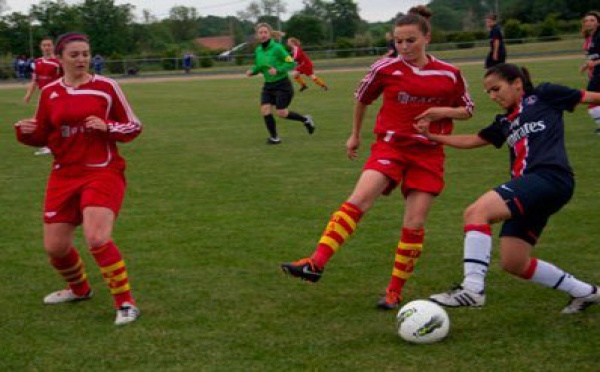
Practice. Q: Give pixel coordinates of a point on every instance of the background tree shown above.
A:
(311, 30)
(183, 22)
(56, 17)
(344, 18)
(108, 25)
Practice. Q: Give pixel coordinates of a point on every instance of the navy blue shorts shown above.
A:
(278, 94)
(594, 83)
(532, 199)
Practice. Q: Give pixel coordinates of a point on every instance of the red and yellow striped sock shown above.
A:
(407, 256)
(114, 272)
(341, 225)
(72, 269)
(298, 79)
(319, 81)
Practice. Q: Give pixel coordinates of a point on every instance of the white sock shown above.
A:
(551, 276)
(477, 251)
(595, 114)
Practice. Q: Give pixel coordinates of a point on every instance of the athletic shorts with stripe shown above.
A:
(532, 199)
(68, 194)
(414, 167)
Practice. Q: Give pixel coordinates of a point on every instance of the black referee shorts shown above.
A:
(278, 94)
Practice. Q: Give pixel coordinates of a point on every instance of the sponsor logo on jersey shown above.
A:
(50, 214)
(397, 73)
(54, 95)
(384, 162)
(405, 98)
(524, 131)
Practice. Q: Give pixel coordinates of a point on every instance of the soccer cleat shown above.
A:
(579, 304)
(390, 301)
(304, 269)
(459, 297)
(273, 141)
(43, 151)
(127, 313)
(309, 124)
(597, 131)
(65, 295)
(303, 88)
(325, 88)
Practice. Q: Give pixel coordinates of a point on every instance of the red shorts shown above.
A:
(306, 69)
(415, 167)
(68, 194)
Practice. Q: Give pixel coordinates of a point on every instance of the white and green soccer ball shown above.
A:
(422, 322)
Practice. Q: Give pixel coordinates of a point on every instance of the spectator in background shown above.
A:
(98, 62)
(187, 62)
(21, 67)
(591, 45)
(390, 44)
(497, 52)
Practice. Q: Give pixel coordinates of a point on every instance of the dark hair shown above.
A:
(419, 16)
(67, 38)
(47, 38)
(593, 13)
(421, 10)
(491, 16)
(510, 73)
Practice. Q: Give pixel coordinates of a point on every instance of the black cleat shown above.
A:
(309, 124)
(391, 301)
(303, 88)
(304, 269)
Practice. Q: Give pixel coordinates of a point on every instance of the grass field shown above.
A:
(211, 211)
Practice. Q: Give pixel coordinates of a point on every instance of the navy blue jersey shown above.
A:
(593, 50)
(496, 34)
(534, 131)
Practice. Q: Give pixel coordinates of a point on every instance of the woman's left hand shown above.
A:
(95, 123)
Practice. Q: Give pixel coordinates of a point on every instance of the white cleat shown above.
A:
(459, 297)
(65, 295)
(578, 304)
(43, 151)
(127, 313)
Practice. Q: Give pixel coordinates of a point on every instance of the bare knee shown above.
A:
(475, 214)
(282, 113)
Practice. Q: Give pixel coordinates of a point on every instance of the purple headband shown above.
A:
(67, 39)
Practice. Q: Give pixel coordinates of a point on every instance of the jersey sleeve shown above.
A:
(39, 137)
(284, 62)
(123, 125)
(495, 33)
(559, 96)
(370, 87)
(493, 133)
(463, 98)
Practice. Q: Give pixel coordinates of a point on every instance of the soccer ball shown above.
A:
(422, 322)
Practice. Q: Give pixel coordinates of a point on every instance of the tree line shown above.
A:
(116, 32)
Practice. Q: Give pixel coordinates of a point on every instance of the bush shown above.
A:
(6, 71)
(344, 47)
(115, 64)
(206, 60)
(513, 31)
(549, 29)
(170, 57)
(463, 40)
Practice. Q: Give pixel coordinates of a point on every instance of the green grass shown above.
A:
(211, 211)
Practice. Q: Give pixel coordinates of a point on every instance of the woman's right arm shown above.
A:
(459, 141)
(353, 142)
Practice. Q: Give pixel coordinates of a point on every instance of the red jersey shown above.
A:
(408, 91)
(46, 70)
(300, 57)
(61, 115)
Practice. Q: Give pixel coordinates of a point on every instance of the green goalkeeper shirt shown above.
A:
(273, 55)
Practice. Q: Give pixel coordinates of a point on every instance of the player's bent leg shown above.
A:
(58, 241)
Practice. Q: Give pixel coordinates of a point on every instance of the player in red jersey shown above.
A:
(414, 86)
(81, 117)
(304, 66)
(46, 69)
